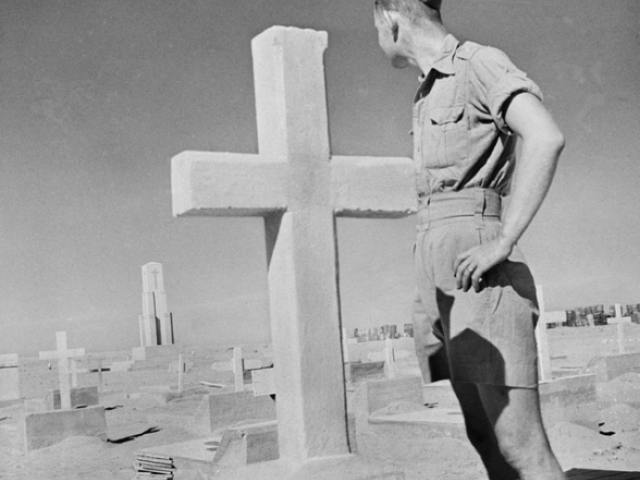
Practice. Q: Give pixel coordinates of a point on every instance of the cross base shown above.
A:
(343, 467)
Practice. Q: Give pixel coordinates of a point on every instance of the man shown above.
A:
(476, 290)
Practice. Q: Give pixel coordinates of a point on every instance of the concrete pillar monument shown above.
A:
(156, 322)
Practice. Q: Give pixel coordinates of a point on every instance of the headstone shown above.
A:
(156, 322)
(9, 377)
(45, 429)
(80, 397)
(225, 409)
(246, 444)
(382, 393)
(263, 382)
(62, 354)
(299, 192)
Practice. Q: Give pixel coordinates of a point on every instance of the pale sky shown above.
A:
(97, 96)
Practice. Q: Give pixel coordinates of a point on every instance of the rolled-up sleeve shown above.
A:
(497, 80)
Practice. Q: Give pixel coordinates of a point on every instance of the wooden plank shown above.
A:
(584, 474)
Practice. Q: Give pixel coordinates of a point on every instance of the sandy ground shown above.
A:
(615, 447)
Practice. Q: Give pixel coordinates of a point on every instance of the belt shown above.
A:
(443, 207)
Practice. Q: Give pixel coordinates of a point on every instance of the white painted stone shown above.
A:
(299, 191)
(9, 377)
(62, 354)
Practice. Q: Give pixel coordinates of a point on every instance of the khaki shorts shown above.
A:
(489, 335)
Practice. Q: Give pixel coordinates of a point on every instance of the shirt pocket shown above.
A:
(445, 140)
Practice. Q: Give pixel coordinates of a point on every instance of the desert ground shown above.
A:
(138, 418)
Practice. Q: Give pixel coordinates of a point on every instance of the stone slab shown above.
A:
(264, 382)
(226, 409)
(189, 455)
(440, 394)
(80, 397)
(11, 441)
(361, 351)
(246, 444)
(9, 377)
(45, 429)
(36, 405)
(608, 367)
(382, 393)
(339, 467)
(570, 399)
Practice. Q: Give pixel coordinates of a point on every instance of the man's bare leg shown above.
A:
(515, 416)
(480, 433)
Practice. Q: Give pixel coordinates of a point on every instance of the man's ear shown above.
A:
(390, 19)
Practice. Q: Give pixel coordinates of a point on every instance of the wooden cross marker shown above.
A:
(299, 189)
(619, 320)
(542, 340)
(62, 354)
(237, 365)
(181, 369)
(74, 374)
(389, 359)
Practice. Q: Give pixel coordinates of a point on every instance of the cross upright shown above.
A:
(63, 354)
(155, 277)
(299, 189)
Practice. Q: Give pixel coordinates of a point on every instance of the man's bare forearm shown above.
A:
(532, 180)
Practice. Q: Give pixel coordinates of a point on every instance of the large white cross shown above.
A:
(297, 189)
(62, 354)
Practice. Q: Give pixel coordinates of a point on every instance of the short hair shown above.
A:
(413, 10)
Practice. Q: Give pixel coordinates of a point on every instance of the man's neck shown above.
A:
(426, 47)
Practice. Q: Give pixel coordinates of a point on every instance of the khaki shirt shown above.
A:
(461, 139)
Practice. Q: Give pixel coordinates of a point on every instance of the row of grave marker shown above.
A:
(544, 354)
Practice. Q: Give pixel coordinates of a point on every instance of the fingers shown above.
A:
(476, 279)
(468, 272)
(464, 274)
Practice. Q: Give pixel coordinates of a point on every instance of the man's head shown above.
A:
(397, 20)
(414, 10)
